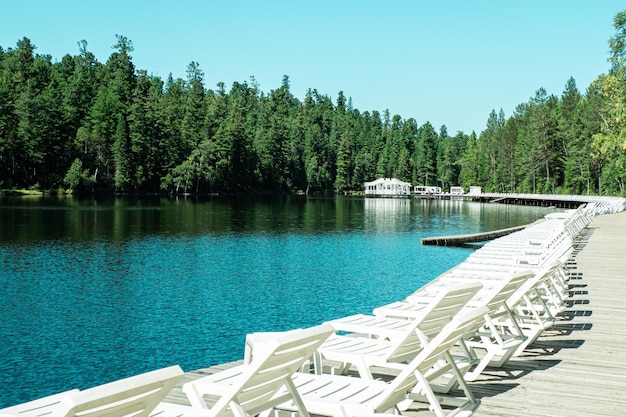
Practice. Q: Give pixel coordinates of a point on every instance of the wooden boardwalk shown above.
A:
(544, 200)
(458, 240)
(578, 368)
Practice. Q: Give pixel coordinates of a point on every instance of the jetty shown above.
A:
(460, 240)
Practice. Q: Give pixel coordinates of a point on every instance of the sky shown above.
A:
(445, 62)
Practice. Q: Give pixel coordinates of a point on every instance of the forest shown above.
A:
(80, 125)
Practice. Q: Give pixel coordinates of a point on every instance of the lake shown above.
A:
(93, 290)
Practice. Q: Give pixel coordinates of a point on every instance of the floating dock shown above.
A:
(459, 240)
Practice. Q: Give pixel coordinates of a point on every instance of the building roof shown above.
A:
(388, 181)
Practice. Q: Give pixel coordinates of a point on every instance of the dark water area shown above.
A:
(97, 290)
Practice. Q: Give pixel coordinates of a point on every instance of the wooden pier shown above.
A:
(577, 368)
(541, 200)
(460, 240)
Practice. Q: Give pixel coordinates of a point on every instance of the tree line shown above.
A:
(82, 125)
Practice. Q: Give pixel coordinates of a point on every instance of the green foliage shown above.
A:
(77, 179)
(91, 126)
(425, 155)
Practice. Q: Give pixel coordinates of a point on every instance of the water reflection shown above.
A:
(67, 218)
(387, 214)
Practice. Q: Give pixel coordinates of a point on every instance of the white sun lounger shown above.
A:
(136, 396)
(256, 387)
(347, 396)
(375, 341)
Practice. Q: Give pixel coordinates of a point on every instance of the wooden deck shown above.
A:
(458, 240)
(579, 367)
(543, 200)
(576, 369)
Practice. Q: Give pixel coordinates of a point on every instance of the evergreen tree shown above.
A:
(147, 132)
(121, 155)
(425, 155)
(449, 166)
(469, 163)
(274, 142)
(571, 143)
(316, 124)
(507, 180)
(120, 84)
(170, 149)
(539, 166)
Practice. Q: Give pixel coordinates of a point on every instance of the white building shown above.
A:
(427, 190)
(387, 187)
(475, 190)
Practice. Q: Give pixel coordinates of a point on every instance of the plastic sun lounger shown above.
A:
(346, 396)
(534, 310)
(257, 386)
(507, 332)
(498, 342)
(136, 396)
(375, 341)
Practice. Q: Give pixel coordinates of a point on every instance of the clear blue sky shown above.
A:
(446, 62)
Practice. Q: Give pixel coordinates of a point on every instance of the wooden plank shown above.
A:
(469, 238)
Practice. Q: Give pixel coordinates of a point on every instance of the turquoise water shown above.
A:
(92, 291)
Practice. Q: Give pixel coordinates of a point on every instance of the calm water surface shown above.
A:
(92, 291)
